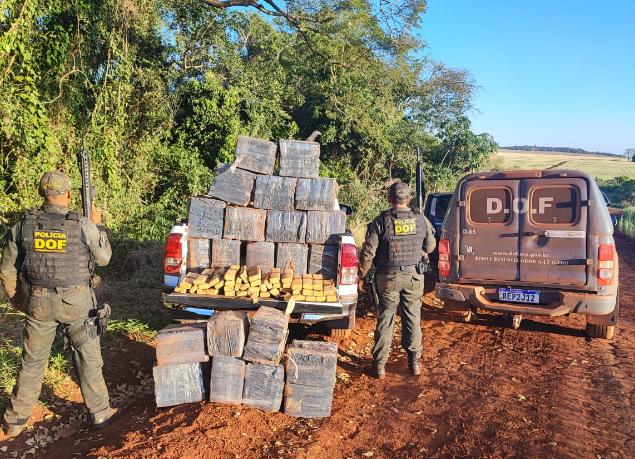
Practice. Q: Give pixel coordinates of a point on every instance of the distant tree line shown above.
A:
(558, 149)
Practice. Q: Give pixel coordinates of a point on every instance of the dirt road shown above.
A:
(487, 391)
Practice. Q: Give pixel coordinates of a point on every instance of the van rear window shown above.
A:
(490, 205)
(554, 205)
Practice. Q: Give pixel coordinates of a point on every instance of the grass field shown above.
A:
(602, 167)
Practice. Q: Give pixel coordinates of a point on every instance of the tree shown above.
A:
(459, 152)
(630, 153)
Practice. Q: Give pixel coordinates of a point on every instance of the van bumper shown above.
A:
(460, 297)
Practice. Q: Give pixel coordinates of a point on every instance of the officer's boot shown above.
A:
(415, 367)
(377, 370)
(13, 430)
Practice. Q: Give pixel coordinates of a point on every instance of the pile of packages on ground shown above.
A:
(249, 365)
(241, 281)
(251, 217)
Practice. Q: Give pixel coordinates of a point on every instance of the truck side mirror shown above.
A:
(346, 209)
(614, 219)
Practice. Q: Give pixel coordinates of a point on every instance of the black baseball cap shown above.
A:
(399, 192)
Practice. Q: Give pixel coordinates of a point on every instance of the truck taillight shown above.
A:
(444, 258)
(606, 264)
(173, 251)
(348, 272)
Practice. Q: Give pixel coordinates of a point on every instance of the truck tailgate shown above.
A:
(223, 302)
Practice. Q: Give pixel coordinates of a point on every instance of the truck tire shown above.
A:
(463, 317)
(604, 331)
(600, 331)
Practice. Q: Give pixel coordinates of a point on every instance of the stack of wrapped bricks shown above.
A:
(246, 366)
(253, 218)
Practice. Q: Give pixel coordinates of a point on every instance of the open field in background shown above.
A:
(602, 167)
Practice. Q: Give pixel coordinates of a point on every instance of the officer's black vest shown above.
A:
(398, 246)
(55, 254)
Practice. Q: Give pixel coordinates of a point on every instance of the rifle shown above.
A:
(420, 185)
(88, 192)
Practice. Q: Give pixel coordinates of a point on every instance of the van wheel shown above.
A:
(600, 331)
(463, 317)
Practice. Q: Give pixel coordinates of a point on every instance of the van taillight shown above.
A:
(606, 264)
(348, 273)
(173, 251)
(444, 258)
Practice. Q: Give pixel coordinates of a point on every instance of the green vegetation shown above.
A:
(627, 221)
(160, 90)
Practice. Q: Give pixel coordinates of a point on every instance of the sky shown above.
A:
(557, 73)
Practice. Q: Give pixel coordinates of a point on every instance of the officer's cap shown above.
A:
(399, 192)
(54, 183)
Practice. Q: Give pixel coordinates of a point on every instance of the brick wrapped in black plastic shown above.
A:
(264, 385)
(285, 226)
(274, 192)
(267, 336)
(205, 217)
(227, 380)
(226, 333)
(234, 187)
(178, 384)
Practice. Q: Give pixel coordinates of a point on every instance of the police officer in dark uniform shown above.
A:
(394, 244)
(46, 266)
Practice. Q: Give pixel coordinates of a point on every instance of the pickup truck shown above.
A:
(334, 319)
(530, 243)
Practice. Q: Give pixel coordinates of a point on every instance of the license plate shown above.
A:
(519, 296)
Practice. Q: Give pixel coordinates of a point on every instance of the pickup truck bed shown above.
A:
(222, 302)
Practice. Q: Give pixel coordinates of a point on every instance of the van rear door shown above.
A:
(553, 231)
(489, 232)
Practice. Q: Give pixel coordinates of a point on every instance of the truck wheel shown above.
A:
(600, 331)
(463, 317)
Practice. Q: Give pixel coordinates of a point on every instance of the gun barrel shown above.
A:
(419, 178)
(85, 172)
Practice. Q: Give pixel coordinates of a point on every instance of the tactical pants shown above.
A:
(45, 312)
(403, 289)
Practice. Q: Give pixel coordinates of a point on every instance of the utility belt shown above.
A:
(57, 290)
(94, 281)
(396, 269)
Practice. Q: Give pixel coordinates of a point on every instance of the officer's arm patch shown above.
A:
(50, 241)
(405, 226)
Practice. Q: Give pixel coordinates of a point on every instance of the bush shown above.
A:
(627, 221)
